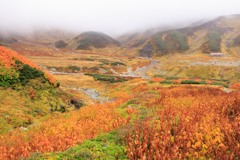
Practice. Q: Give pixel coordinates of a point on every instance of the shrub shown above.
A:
(6, 79)
(203, 82)
(171, 78)
(77, 103)
(166, 82)
(190, 82)
(74, 68)
(108, 78)
(26, 73)
(117, 63)
(104, 61)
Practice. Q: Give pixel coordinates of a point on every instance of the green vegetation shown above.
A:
(26, 73)
(190, 82)
(180, 39)
(174, 41)
(84, 44)
(218, 83)
(214, 41)
(172, 78)
(20, 74)
(108, 78)
(158, 76)
(68, 69)
(161, 44)
(108, 146)
(8, 77)
(74, 68)
(104, 61)
(23, 105)
(30, 94)
(117, 63)
(166, 82)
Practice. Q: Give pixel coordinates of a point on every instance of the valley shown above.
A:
(171, 94)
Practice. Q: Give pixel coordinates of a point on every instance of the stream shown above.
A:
(92, 93)
(140, 71)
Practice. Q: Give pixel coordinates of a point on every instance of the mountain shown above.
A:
(135, 39)
(6, 39)
(46, 37)
(60, 44)
(218, 35)
(91, 39)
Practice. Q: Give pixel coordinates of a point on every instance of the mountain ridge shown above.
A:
(89, 39)
(212, 36)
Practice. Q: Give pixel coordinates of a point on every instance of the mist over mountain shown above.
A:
(111, 17)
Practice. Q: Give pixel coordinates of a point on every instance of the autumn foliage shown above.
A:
(9, 57)
(62, 131)
(188, 123)
(177, 122)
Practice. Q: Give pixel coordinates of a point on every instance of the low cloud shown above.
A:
(109, 16)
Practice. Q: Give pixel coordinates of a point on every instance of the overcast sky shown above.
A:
(108, 16)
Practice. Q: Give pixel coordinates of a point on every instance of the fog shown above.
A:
(113, 17)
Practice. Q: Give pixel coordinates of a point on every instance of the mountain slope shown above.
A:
(6, 39)
(87, 40)
(217, 35)
(26, 92)
(40, 37)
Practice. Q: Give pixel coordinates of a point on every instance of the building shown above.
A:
(217, 54)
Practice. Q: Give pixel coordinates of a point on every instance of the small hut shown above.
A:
(216, 54)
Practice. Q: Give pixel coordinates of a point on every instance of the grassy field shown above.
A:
(186, 109)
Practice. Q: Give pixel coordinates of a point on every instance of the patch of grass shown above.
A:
(104, 61)
(84, 59)
(172, 78)
(117, 63)
(190, 82)
(108, 146)
(74, 68)
(166, 82)
(107, 78)
(220, 80)
(203, 82)
(25, 105)
(220, 84)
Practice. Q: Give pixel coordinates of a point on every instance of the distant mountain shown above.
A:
(138, 38)
(39, 37)
(91, 39)
(6, 39)
(48, 37)
(60, 44)
(218, 35)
